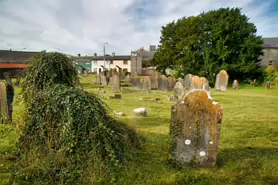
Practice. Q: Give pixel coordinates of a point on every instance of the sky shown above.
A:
(83, 26)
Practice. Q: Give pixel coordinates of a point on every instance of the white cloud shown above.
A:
(83, 26)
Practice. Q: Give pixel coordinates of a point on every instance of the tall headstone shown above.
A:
(171, 83)
(145, 84)
(103, 80)
(195, 129)
(3, 101)
(116, 87)
(163, 84)
(98, 79)
(187, 80)
(267, 85)
(235, 84)
(155, 80)
(222, 81)
(205, 84)
(178, 91)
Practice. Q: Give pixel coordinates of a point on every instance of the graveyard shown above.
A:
(247, 147)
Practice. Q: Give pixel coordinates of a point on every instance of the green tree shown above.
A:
(204, 44)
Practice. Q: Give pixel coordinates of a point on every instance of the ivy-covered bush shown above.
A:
(69, 136)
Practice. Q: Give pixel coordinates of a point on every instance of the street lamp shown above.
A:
(104, 54)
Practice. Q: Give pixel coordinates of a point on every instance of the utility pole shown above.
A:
(104, 55)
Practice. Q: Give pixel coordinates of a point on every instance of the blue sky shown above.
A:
(82, 26)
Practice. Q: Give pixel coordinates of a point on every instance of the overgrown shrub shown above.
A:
(271, 75)
(69, 136)
(46, 69)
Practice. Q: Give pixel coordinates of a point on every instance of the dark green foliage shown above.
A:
(212, 41)
(47, 69)
(70, 124)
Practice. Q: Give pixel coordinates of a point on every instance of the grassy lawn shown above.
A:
(248, 148)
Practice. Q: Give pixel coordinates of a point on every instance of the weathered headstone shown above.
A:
(155, 80)
(222, 81)
(182, 81)
(3, 101)
(145, 84)
(205, 83)
(136, 83)
(127, 79)
(195, 129)
(178, 91)
(235, 84)
(187, 80)
(86, 72)
(116, 87)
(163, 84)
(98, 79)
(103, 80)
(267, 85)
(196, 83)
(171, 83)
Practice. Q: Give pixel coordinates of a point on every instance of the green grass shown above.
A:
(248, 148)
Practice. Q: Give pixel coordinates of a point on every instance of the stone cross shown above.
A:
(222, 81)
(235, 84)
(178, 91)
(195, 129)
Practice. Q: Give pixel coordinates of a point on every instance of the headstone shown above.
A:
(103, 80)
(128, 79)
(267, 85)
(171, 83)
(98, 79)
(178, 91)
(86, 72)
(145, 84)
(182, 81)
(155, 80)
(235, 85)
(222, 81)
(205, 84)
(196, 83)
(116, 87)
(118, 96)
(136, 83)
(3, 101)
(111, 81)
(113, 71)
(187, 80)
(195, 129)
(163, 84)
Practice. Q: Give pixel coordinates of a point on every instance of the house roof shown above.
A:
(7, 56)
(117, 57)
(270, 42)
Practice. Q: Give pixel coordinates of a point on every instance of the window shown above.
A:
(111, 61)
(95, 69)
(270, 63)
(125, 62)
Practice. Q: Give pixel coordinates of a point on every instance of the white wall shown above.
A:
(97, 65)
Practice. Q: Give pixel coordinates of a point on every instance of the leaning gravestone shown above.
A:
(116, 87)
(178, 91)
(195, 129)
(103, 80)
(235, 84)
(163, 84)
(155, 80)
(145, 85)
(171, 83)
(3, 102)
(222, 81)
(187, 81)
